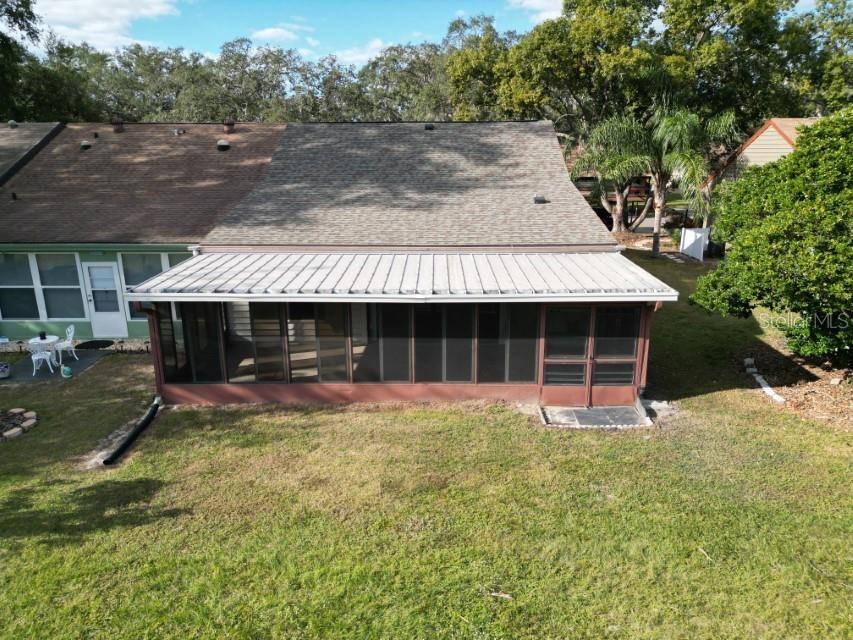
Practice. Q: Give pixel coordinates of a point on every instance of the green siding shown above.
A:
(88, 252)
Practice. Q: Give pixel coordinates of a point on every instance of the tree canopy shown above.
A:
(791, 234)
(601, 58)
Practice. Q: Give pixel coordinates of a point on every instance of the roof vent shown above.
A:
(12, 124)
(537, 199)
(14, 196)
(95, 134)
(429, 126)
(228, 125)
(223, 145)
(118, 125)
(84, 145)
(179, 132)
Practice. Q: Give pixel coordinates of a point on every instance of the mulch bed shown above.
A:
(807, 387)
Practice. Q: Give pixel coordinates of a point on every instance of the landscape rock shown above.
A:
(836, 381)
(16, 411)
(28, 424)
(749, 362)
(30, 415)
(13, 433)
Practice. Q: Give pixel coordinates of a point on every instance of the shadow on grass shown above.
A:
(70, 516)
(694, 352)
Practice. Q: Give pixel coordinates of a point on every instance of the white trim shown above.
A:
(415, 298)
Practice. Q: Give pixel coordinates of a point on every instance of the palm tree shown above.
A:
(611, 155)
(672, 145)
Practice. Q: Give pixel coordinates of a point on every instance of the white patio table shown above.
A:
(48, 342)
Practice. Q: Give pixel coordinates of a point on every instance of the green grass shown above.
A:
(734, 520)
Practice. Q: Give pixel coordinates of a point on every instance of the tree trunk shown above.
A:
(643, 215)
(659, 194)
(618, 210)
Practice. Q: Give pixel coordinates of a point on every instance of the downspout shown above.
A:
(138, 428)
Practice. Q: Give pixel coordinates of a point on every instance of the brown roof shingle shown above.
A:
(19, 142)
(143, 185)
(398, 184)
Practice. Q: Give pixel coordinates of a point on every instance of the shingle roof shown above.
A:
(406, 277)
(401, 185)
(145, 184)
(16, 143)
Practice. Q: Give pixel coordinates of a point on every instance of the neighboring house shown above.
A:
(89, 209)
(774, 139)
(405, 261)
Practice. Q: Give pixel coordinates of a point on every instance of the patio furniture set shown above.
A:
(48, 349)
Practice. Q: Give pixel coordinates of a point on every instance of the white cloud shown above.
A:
(540, 10)
(285, 31)
(360, 55)
(104, 24)
(313, 42)
(274, 33)
(460, 13)
(306, 53)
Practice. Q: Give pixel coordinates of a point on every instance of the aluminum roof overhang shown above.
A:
(405, 277)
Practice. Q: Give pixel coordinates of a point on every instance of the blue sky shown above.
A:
(352, 30)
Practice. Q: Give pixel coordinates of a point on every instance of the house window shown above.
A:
(177, 258)
(137, 268)
(506, 340)
(17, 293)
(60, 285)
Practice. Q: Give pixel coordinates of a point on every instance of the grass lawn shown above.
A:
(433, 521)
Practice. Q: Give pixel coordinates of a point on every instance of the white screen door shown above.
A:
(105, 301)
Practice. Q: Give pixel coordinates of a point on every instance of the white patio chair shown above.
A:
(40, 353)
(66, 345)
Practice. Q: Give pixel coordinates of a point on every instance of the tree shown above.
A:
(671, 144)
(612, 153)
(791, 236)
(472, 67)
(18, 16)
(581, 68)
(407, 82)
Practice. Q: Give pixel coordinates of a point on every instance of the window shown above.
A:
(616, 332)
(60, 284)
(177, 258)
(565, 373)
(253, 342)
(202, 323)
(172, 351)
(365, 343)
(429, 330)
(268, 337)
(611, 373)
(317, 342)
(506, 338)
(332, 341)
(239, 350)
(137, 268)
(396, 336)
(381, 339)
(459, 342)
(566, 332)
(17, 293)
(302, 342)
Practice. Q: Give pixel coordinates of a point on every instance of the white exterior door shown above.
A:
(105, 301)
